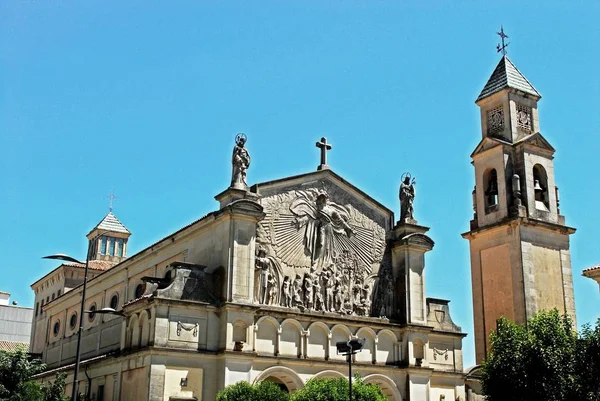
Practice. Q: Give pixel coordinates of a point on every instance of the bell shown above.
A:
(537, 186)
(492, 188)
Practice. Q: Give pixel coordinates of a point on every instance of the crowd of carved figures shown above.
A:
(342, 287)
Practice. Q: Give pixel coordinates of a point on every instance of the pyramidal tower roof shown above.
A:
(111, 223)
(506, 75)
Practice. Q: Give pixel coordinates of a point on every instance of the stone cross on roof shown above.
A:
(324, 146)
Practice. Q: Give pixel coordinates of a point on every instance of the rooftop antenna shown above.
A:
(502, 49)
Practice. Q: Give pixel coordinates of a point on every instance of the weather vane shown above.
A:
(502, 49)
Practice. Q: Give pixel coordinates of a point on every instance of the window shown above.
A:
(47, 299)
(540, 188)
(100, 393)
(139, 290)
(111, 248)
(59, 291)
(37, 308)
(495, 120)
(114, 301)
(56, 328)
(73, 321)
(490, 180)
(103, 245)
(524, 117)
(53, 296)
(92, 313)
(120, 248)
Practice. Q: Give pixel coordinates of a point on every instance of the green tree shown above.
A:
(244, 391)
(16, 369)
(544, 360)
(337, 390)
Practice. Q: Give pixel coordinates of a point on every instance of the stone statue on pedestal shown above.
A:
(407, 196)
(240, 161)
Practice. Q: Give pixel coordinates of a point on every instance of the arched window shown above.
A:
(139, 290)
(490, 182)
(103, 245)
(540, 188)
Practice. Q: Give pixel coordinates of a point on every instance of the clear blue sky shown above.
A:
(146, 98)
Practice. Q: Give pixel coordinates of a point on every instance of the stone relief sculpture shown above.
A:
(322, 222)
(407, 196)
(240, 161)
(329, 252)
(266, 278)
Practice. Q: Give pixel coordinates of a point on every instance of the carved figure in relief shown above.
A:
(329, 289)
(272, 286)
(339, 294)
(262, 267)
(319, 304)
(407, 196)
(287, 293)
(388, 301)
(240, 161)
(308, 292)
(297, 291)
(322, 222)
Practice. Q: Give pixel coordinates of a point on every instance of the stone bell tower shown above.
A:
(519, 243)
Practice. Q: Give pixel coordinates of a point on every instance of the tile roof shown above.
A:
(93, 264)
(12, 345)
(591, 269)
(111, 223)
(506, 75)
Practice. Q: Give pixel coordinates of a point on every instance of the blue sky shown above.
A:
(146, 98)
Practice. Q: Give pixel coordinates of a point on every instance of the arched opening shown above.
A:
(281, 375)
(540, 188)
(490, 182)
(279, 383)
(388, 387)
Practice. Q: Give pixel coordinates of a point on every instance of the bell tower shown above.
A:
(519, 243)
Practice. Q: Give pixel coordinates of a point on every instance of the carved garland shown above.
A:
(441, 353)
(187, 327)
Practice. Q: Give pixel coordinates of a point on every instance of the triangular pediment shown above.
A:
(314, 219)
(488, 143)
(538, 141)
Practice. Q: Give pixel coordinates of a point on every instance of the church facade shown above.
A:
(266, 285)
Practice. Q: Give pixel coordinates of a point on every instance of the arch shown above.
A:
(144, 328)
(339, 332)
(133, 332)
(329, 374)
(269, 318)
(367, 355)
(267, 329)
(240, 331)
(490, 185)
(317, 342)
(386, 344)
(540, 188)
(388, 332)
(291, 336)
(388, 387)
(287, 376)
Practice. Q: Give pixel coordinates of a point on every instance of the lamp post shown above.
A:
(349, 348)
(61, 256)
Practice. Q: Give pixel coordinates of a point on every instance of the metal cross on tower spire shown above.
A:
(502, 49)
(112, 198)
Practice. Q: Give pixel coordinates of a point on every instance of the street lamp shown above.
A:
(62, 256)
(349, 348)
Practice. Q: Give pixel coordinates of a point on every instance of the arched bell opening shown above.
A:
(490, 182)
(540, 188)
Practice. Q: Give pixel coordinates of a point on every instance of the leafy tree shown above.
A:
(544, 360)
(16, 369)
(337, 390)
(244, 391)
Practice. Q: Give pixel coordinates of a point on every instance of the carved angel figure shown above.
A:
(322, 221)
(266, 277)
(240, 161)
